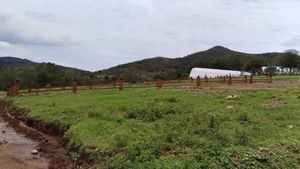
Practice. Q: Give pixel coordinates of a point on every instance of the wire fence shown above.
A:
(15, 88)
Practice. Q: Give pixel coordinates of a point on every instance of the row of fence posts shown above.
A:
(228, 79)
(14, 88)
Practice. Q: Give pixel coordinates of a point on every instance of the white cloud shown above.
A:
(5, 45)
(294, 42)
(15, 50)
(112, 32)
(19, 29)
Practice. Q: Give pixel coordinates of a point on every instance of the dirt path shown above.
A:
(15, 150)
(17, 142)
(244, 86)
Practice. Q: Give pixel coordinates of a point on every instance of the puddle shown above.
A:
(15, 150)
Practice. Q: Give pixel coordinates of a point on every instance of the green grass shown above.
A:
(169, 128)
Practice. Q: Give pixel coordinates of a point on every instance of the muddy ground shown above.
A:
(15, 150)
(243, 86)
(17, 142)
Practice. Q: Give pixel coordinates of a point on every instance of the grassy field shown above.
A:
(170, 128)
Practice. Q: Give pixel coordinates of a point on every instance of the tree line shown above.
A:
(42, 75)
(49, 74)
(289, 60)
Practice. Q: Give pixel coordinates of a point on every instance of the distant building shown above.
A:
(212, 73)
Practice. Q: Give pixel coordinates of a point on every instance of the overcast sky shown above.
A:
(97, 34)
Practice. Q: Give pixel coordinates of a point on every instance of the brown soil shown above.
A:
(244, 86)
(15, 150)
(52, 153)
(274, 103)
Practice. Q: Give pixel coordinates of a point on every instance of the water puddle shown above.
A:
(16, 150)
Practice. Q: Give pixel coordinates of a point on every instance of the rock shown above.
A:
(232, 96)
(263, 149)
(3, 131)
(229, 107)
(34, 152)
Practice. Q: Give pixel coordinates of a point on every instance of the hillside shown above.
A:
(31, 74)
(17, 62)
(28, 64)
(216, 57)
(162, 67)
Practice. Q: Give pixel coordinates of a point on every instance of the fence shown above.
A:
(14, 88)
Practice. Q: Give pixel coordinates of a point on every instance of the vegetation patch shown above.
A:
(149, 128)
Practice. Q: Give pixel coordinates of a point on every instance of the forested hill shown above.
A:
(17, 62)
(32, 73)
(216, 57)
(28, 64)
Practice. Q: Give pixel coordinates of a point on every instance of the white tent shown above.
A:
(212, 73)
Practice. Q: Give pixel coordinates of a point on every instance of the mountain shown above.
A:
(17, 62)
(166, 68)
(216, 57)
(28, 64)
(32, 74)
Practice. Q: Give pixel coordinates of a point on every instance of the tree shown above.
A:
(28, 78)
(48, 74)
(271, 70)
(179, 73)
(254, 66)
(8, 75)
(289, 60)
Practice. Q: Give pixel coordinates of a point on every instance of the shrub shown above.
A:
(173, 100)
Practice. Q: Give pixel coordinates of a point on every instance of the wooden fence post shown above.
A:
(120, 84)
(246, 79)
(91, 86)
(230, 79)
(251, 79)
(198, 81)
(74, 86)
(206, 79)
(269, 78)
(159, 83)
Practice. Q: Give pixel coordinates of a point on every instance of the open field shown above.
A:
(176, 128)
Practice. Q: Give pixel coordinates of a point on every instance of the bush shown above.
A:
(173, 100)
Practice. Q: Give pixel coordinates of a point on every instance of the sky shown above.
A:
(98, 34)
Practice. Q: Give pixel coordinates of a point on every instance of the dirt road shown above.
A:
(16, 150)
